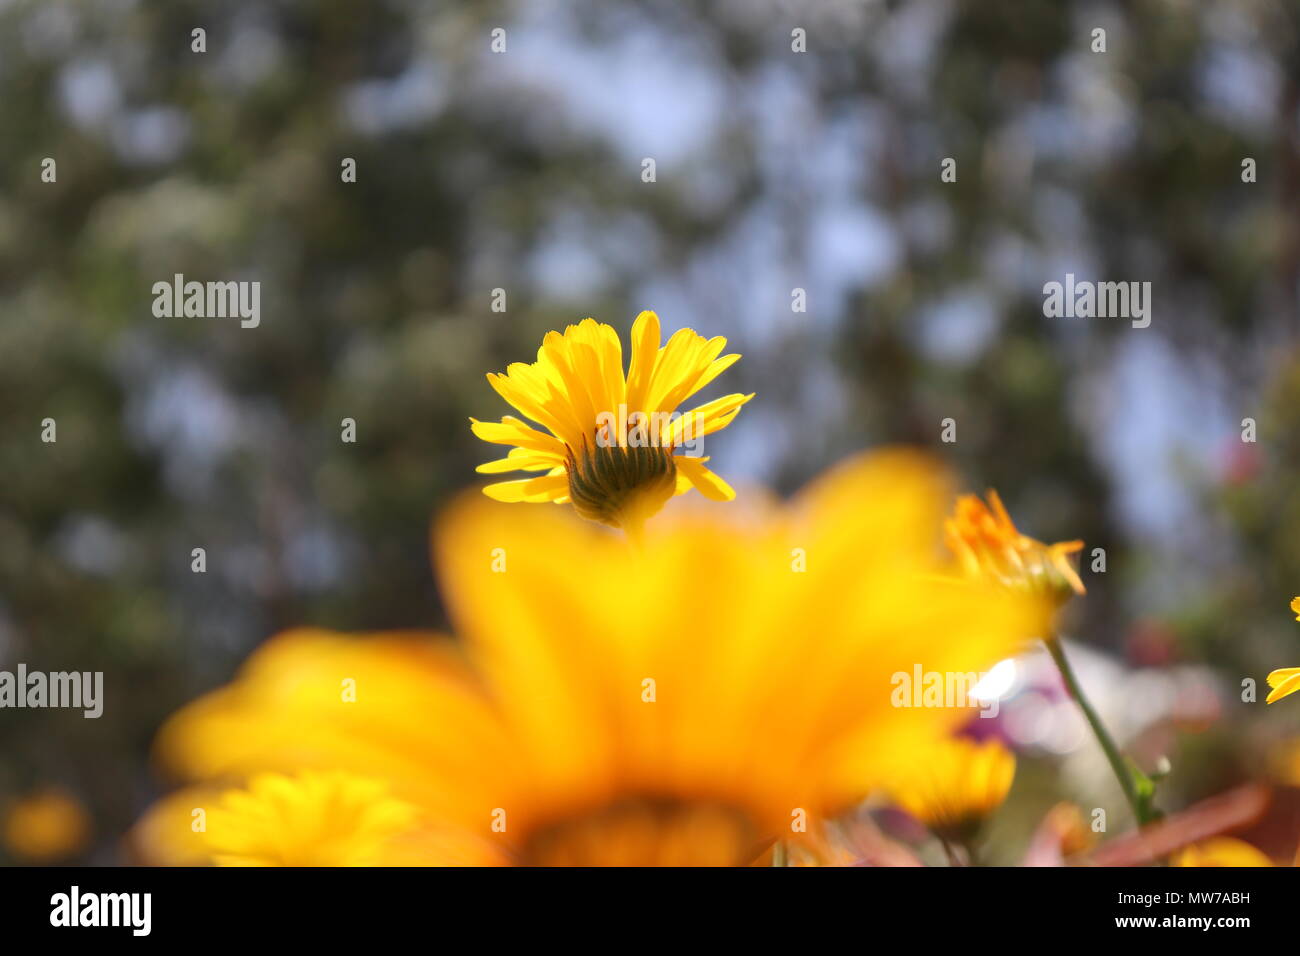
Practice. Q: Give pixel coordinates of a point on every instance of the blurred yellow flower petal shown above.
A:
(682, 704)
(954, 786)
(176, 832)
(171, 831)
(309, 819)
(1220, 851)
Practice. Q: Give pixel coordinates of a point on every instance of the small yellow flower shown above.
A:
(1285, 680)
(45, 825)
(957, 785)
(312, 819)
(1066, 822)
(1220, 851)
(986, 542)
(610, 441)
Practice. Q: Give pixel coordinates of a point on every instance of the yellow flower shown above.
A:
(1220, 851)
(956, 785)
(986, 542)
(1285, 680)
(1066, 822)
(47, 824)
(611, 440)
(685, 704)
(312, 819)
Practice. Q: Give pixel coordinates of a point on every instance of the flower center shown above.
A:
(646, 832)
(619, 485)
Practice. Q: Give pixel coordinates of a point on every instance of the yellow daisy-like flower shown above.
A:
(986, 542)
(47, 824)
(682, 704)
(1220, 851)
(957, 785)
(310, 819)
(610, 441)
(1285, 680)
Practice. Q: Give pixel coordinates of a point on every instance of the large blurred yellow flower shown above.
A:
(986, 541)
(687, 703)
(954, 786)
(611, 440)
(1285, 680)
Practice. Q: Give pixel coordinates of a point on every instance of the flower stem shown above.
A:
(1122, 772)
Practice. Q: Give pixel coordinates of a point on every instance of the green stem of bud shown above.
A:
(1142, 809)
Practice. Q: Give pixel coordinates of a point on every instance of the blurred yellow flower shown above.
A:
(685, 704)
(1285, 680)
(1220, 851)
(1066, 821)
(610, 440)
(986, 542)
(311, 819)
(1063, 833)
(47, 824)
(956, 785)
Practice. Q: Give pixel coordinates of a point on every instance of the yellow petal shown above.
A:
(1284, 682)
(698, 371)
(531, 394)
(288, 709)
(542, 488)
(511, 431)
(708, 484)
(676, 364)
(645, 355)
(1281, 674)
(520, 459)
(706, 419)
